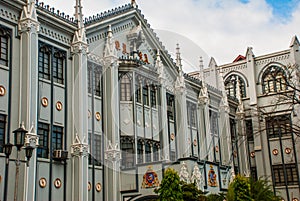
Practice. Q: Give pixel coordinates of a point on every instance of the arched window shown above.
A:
(273, 80)
(125, 88)
(231, 86)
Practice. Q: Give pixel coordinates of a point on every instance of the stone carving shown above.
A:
(197, 178)
(79, 148)
(184, 174)
(113, 152)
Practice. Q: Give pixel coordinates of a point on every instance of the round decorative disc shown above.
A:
(45, 102)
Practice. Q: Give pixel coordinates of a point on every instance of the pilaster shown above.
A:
(111, 119)
(28, 28)
(79, 147)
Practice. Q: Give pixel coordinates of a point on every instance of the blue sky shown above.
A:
(222, 29)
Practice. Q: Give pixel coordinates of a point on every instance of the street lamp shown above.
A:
(19, 140)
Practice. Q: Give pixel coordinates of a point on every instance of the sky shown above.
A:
(222, 29)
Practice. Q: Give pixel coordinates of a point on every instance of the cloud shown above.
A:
(222, 28)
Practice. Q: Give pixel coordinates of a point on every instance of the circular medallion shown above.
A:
(43, 182)
(2, 90)
(195, 142)
(252, 154)
(98, 116)
(57, 183)
(44, 102)
(217, 148)
(98, 187)
(89, 186)
(89, 114)
(288, 150)
(295, 199)
(58, 105)
(172, 136)
(275, 152)
(234, 154)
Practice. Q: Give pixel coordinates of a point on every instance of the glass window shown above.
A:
(170, 106)
(44, 63)
(278, 126)
(291, 173)
(148, 151)
(2, 131)
(4, 50)
(97, 79)
(231, 86)
(127, 152)
(58, 63)
(138, 98)
(43, 133)
(125, 88)
(140, 151)
(145, 95)
(253, 173)
(153, 96)
(57, 137)
(249, 130)
(274, 80)
(156, 151)
(96, 153)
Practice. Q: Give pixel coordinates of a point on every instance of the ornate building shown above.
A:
(267, 90)
(105, 109)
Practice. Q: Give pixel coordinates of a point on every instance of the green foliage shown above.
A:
(261, 190)
(215, 197)
(170, 187)
(246, 189)
(190, 192)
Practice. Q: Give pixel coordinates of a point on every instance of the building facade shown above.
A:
(267, 88)
(107, 110)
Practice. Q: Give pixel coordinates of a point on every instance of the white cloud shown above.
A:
(222, 28)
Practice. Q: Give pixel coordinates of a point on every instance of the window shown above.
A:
(96, 153)
(43, 133)
(274, 80)
(231, 85)
(153, 96)
(48, 58)
(4, 51)
(191, 112)
(138, 98)
(57, 137)
(249, 130)
(127, 152)
(253, 171)
(145, 95)
(44, 63)
(156, 151)
(125, 88)
(140, 151)
(172, 155)
(232, 128)
(170, 106)
(58, 63)
(148, 151)
(278, 126)
(97, 78)
(291, 174)
(2, 131)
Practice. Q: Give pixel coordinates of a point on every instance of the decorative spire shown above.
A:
(80, 32)
(109, 49)
(78, 14)
(178, 57)
(133, 3)
(201, 70)
(224, 94)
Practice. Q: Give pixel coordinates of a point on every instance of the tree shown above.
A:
(246, 189)
(191, 192)
(170, 188)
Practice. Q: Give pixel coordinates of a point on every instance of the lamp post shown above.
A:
(19, 140)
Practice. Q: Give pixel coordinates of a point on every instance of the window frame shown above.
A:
(271, 80)
(3, 122)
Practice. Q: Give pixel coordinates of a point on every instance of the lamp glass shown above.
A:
(19, 137)
(7, 149)
(28, 151)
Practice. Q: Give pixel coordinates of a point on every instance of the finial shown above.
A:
(133, 3)
(78, 14)
(178, 57)
(201, 69)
